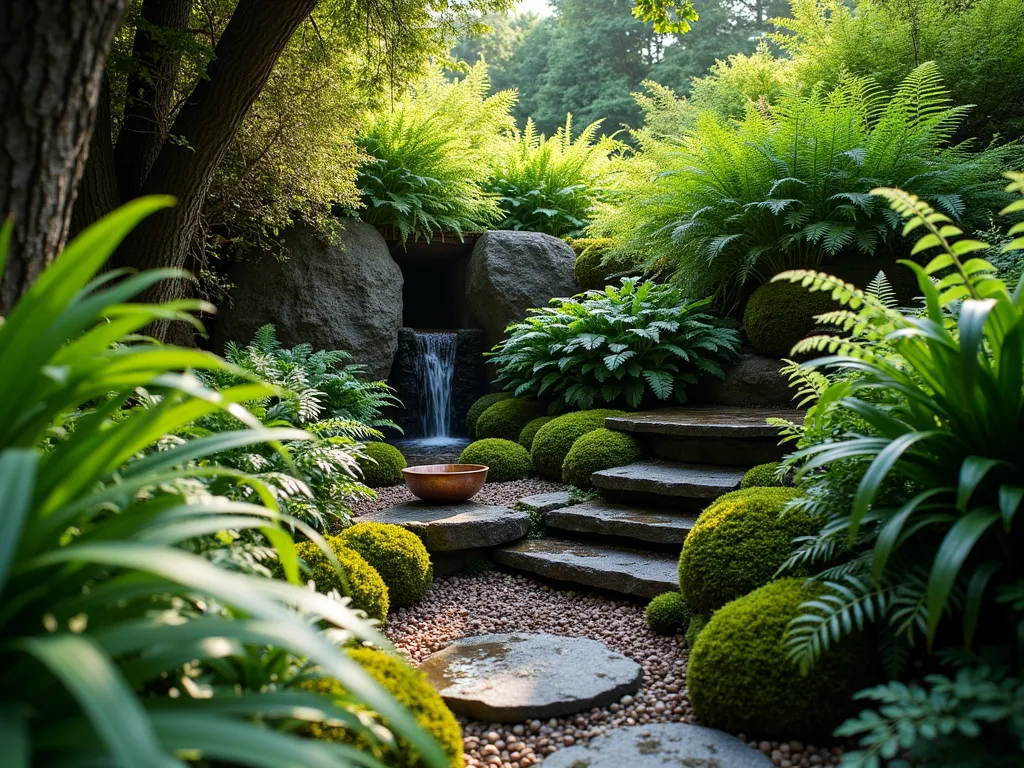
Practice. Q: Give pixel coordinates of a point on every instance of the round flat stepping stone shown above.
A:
(522, 676)
(451, 527)
(660, 745)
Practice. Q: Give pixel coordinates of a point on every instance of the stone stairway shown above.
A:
(628, 540)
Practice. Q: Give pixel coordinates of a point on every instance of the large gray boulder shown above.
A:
(345, 294)
(753, 380)
(510, 272)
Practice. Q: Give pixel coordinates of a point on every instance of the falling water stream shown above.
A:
(435, 369)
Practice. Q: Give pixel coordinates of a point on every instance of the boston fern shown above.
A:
(788, 186)
(621, 346)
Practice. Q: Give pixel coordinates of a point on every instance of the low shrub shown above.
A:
(738, 544)
(762, 476)
(600, 449)
(530, 431)
(362, 583)
(507, 418)
(507, 460)
(382, 466)
(780, 314)
(741, 680)
(481, 405)
(697, 623)
(668, 613)
(597, 263)
(410, 687)
(633, 343)
(398, 556)
(554, 440)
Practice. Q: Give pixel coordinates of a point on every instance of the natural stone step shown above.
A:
(452, 527)
(704, 421)
(629, 571)
(660, 745)
(721, 435)
(701, 482)
(607, 518)
(514, 677)
(545, 502)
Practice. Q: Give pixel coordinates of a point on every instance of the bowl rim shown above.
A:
(469, 469)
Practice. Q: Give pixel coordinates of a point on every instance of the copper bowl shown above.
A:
(445, 482)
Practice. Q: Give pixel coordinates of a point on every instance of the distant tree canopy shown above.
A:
(590, 56)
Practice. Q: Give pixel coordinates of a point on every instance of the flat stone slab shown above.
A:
(451, 527)
(607, 518)
(661, 745)
(667, 478)
(629, 571)
(514, 677)
(704, 421)
(545, 502)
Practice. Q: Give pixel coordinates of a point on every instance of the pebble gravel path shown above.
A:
(463, 606)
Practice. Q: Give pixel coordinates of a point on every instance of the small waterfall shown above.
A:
(435, 369)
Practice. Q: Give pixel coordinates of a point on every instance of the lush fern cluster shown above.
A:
(430, 156)
(320, 391)
(788, 186)
(912, 458)
(552, 185)
(638, 341)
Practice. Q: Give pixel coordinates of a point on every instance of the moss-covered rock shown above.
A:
(762, 476)
(738, 544)
(780, 314)
(741, 680)
(411, 689)
(554, 440)
(480, 406)
(668, 613)
(597, 262)
(530, 431)
(599, 449)
(507, 460)
(382, 466)
(506, 419)
(397, 555)
(361, 582)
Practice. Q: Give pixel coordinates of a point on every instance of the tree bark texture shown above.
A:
(150, 89)
(52, 54)
(244, 59)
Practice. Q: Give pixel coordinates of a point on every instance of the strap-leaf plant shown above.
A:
(933, 408)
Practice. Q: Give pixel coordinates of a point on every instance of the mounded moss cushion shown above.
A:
(591, 269)
(762, 476)
(398, 556)
(741, 680)
(385, 469)
(668, 613)
(738, 544)
(364, 585)
(554, 440)
(480, 406)
(697, 623)
(411, 689)
(778, 315)
(507, 418)
(530, 431)
(599, 449)
(507, 460)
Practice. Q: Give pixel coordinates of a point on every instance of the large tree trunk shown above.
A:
(52, 54)
(244, 59)
(150, 89)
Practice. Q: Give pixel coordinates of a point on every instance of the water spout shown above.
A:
(435, 369)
